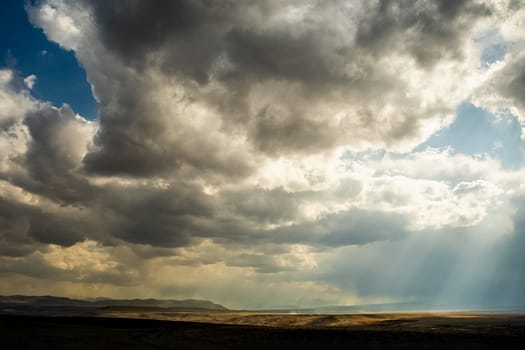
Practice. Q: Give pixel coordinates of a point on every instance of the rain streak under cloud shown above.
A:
(271, 153)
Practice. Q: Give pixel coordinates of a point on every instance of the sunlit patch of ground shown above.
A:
(425, 322)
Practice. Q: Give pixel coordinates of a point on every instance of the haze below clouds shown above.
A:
(272, 153)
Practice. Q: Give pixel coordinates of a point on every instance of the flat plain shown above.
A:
(164, 328)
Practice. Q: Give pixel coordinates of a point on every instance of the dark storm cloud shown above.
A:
(264, 206)
(176, 217)
(505, 91)
(260, 262)
(187, 33)
(192, 34)
(351, 227)
(309, 58)
(14, 223)
(50, 160)
(33, 267)
(159, 217)
(23, 228)
(135, 136)
(437, 27)
(131, 136)
(138, 138)
(63, 230)
(278, 129)
(511, 82)
(237, 45)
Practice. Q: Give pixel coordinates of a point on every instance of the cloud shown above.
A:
(85, 261)
(263, 82)
(13, 102)
(59, 140)
(265, 148)
(503, 91)
(14, 240)
(30, 81)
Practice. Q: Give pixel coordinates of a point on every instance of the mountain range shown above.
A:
(53, 301)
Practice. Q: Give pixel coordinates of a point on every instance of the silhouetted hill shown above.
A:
(47, 301)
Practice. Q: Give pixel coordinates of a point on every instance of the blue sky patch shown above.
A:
(478, 132)
(25, 49)
(494, 47)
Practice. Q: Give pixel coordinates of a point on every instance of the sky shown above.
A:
(268, 154)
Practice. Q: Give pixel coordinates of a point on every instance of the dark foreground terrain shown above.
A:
(392, 332)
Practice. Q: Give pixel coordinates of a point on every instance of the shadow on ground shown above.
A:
(38, 332)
